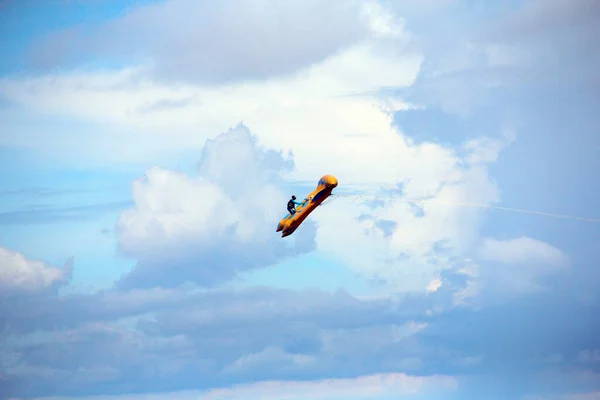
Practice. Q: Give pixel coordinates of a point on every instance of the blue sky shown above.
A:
(148, 149)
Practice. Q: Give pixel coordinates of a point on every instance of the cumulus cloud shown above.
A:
(426, 238)
(210, 227)
(326, 114)
(497, 73)
(19, 275)
(332, 104)
(331, 111)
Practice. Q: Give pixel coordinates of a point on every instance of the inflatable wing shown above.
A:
(291, 222)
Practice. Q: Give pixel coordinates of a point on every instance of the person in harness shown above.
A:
(291, 205)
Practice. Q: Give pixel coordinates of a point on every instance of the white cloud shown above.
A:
(20, 275)
(427, 238)
(383, 386)
(434, 285)
(212, 42)
(463, 296)
(364, 387)
(516, 266)
(333, 117)
(314, 112)
(521, 251)
(214, 225)
(272, 358)
(187, 228)
(407, 330)
(503, 269)
(487, 150)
